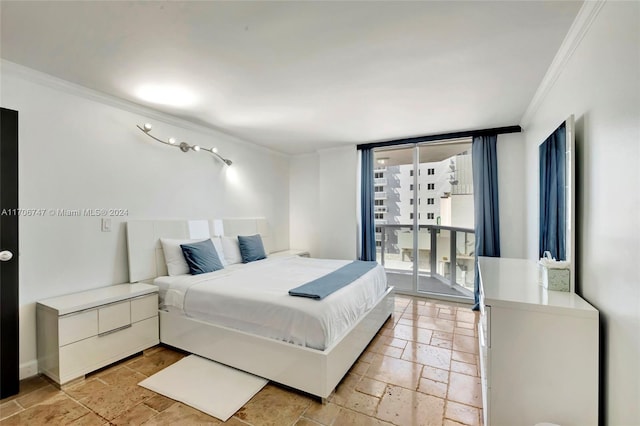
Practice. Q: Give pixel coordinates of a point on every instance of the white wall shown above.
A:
(304, 207)
(338, 203)
(76, 152)
(324, 203)
(600, 85)
(511, 178)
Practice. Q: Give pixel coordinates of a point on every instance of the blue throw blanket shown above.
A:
(333, 281)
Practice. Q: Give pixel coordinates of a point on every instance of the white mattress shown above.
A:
(254, 298)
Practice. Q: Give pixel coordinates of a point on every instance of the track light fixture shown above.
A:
(184, 147)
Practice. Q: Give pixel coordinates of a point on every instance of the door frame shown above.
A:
(9, 270)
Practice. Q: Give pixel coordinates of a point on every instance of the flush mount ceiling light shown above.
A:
(184, 147)
(166, 95)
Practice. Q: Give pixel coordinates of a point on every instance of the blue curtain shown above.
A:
(552, 195)
(368, 238)
(485, 198)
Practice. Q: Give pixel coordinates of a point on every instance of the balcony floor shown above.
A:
(402, 281)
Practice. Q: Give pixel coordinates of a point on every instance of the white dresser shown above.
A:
(538, 349)
(81, 332)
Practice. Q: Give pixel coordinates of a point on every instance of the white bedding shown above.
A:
(254, 298)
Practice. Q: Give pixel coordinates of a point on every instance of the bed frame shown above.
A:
(313, 371)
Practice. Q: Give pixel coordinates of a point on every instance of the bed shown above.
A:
(242, 315)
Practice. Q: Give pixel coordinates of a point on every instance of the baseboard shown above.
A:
(28, 369)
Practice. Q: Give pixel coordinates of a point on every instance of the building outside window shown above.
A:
(430, 200)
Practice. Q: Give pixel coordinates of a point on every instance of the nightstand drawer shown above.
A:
(78, 326)
(113, 317)
(144, 307)
(98, 351)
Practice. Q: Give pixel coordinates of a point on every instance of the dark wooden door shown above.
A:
(9, 214)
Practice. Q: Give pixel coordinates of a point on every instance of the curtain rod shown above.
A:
(455, 135)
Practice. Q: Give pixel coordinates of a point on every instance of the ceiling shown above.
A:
(301, 76)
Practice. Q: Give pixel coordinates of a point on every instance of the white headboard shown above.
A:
(146, 258)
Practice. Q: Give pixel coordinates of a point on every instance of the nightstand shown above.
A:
(81, 332)
(290, 252)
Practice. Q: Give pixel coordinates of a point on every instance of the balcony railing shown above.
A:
(380, 181)
(444, 253)
(380, 195)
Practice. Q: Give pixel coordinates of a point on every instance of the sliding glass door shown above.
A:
(393, 212)
(424, 217)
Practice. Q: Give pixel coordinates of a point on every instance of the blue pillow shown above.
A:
(251, 248)
(201, 257)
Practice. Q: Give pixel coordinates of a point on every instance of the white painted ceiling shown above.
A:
(302, 76)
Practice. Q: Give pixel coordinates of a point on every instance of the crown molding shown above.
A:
(585, 17)
(47, 80)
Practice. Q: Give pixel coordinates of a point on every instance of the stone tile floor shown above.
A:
(420, 369)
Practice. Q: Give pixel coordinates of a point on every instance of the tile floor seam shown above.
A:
(79, 402)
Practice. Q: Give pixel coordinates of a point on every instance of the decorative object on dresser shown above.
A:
(82, 332)
(538, 349)
(184, 147)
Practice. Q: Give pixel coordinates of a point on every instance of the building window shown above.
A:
(429, 215)
(411, 187)
(379, 215)
(430, 200)
(378, 202)
(418, 201)
(431, 171)
(431, 186)
(378, 243)
(411, 216)
(411, 172)
(378, 189)
(411, 201)
(378, 175)
(378, 230)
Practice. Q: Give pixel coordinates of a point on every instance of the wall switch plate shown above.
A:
(106, 225)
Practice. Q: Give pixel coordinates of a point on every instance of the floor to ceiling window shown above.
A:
(423, 204)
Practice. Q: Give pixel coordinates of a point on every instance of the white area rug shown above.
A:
(205, 385)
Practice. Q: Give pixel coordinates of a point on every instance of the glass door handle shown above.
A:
(5, 255)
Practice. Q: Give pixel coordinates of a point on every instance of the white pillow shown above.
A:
(173, 256)
(231, 249)
(217, 244)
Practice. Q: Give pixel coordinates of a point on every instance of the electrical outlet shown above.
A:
(106, 225)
